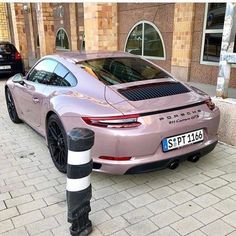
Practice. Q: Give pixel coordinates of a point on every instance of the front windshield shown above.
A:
(117, 70)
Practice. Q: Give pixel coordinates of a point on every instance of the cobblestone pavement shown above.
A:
(196, 199)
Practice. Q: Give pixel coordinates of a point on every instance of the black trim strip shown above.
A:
(79, 171)
(171, 109)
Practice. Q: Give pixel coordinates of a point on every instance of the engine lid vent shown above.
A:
(148, 91)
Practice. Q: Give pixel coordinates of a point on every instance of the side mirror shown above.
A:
(18, 78)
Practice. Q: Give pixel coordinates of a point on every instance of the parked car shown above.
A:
(10, 59)
(143, 118)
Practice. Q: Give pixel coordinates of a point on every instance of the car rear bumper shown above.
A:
(158, 165)
(146, 158)
(156, 161)
(16, 67)
(144, 144)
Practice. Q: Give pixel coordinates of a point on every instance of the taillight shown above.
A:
(211, 105)
(17, 56)
(126, 121)
(115, 158)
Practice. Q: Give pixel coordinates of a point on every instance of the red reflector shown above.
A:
(17, 56)
(115, 158)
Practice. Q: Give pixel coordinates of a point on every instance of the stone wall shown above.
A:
(4, 29)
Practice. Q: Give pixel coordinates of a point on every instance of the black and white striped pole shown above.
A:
(78, 189)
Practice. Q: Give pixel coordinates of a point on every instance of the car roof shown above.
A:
(77, 56)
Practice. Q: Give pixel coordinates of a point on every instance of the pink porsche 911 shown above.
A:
(143, 118)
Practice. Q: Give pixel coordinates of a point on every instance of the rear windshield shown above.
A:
(7, 48)
(117, 70)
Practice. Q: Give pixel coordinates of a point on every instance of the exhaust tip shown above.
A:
(173, 165)
(194, 158)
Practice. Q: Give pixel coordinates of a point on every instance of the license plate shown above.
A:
(5, 67)
(182, 140)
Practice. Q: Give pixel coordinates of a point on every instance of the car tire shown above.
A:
(57, 143)
(11, 107)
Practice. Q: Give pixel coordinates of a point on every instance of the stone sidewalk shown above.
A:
(195, 199)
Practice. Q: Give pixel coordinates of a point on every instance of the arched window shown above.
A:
(62, 41)
(145, 39)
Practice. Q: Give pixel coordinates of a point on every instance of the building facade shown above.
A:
(183, 38)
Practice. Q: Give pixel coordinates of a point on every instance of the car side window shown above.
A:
(71, 79)
(43, 71)
(62, 77)
(58, 76)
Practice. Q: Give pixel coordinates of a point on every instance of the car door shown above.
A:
(31, 93)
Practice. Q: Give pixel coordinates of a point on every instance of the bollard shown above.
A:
(78, 188)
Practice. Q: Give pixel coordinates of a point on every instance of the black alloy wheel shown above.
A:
(57, 143)
(11, 107)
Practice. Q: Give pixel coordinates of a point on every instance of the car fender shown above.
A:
(9, 84)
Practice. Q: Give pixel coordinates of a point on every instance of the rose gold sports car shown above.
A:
(143, 118)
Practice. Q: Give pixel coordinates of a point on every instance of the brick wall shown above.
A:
(18, 21)
(4, 30)
(182, 40)
(182, 36)
(200, 72)
(73, 26)
(161, 15)
(62, 15)
(46, 28)
(80, 25)
(100, 23)
(106, 27)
